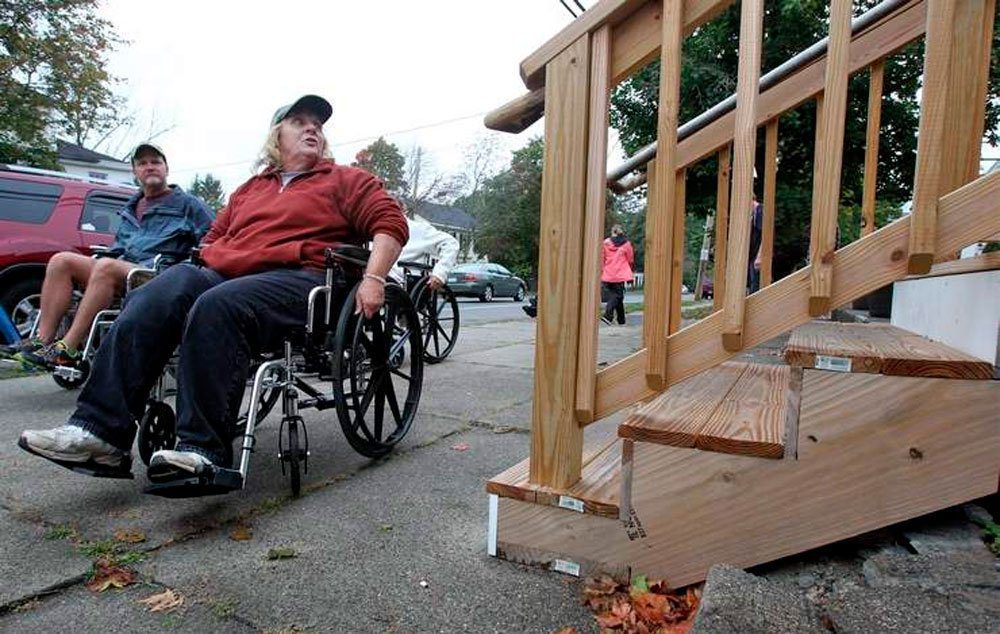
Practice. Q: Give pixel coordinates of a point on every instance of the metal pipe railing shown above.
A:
(725, 106)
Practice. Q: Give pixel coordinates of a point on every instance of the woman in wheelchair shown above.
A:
(263, 256)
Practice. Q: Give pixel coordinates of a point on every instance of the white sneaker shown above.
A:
(70, 443)
(168, 463)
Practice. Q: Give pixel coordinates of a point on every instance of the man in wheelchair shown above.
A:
(262, 256)
(160, 219)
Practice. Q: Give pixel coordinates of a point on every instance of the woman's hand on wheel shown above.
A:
(434, 283)
(369, 298)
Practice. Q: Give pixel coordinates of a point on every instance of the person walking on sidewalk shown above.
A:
(617, 259)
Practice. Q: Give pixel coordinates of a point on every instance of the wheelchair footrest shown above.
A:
(213, 481)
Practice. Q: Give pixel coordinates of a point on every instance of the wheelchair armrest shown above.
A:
(348, 253)
(410, 264)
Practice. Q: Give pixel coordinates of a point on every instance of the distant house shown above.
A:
(454, 221)
(80, 161)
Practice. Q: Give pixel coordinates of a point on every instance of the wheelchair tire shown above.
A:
(157, 430)
(74, 384)
(376, 373)
(439, 321)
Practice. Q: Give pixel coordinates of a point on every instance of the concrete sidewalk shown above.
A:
(397, 545)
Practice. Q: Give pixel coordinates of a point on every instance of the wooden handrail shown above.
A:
(721, 227)
(871, 146)
(517, 115)
(770, 185)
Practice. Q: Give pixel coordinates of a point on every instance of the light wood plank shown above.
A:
(871, 147)
(750, 419)
(882, 349)
(721, 228)
(964, 216)
(984, 262)
(930, 137)
(597, 167)
(662, 199)
(678, 415)
(744, 141)
(770, 184)
(679, 251)
(518, 114)
(829, 157)
(933, 445)
(556, 438)
(903, 27)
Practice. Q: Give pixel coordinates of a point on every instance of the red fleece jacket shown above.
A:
(266, 227)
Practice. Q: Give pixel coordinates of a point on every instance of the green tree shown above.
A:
(709, 70)
(209, 189)
(54, 78)
(383, 159)
(507, 209)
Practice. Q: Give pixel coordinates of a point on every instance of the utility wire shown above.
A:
(582, 8)
(566, 6)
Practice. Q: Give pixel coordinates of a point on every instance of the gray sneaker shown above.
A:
(169, 464)
(74, 445)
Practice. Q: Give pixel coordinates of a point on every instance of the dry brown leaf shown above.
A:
(163, 602)
(650, 608)
(107, 575)
(129, 536)
(566, 630)
(241, 532)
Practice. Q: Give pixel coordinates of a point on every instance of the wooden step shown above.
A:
(879, 349)
(736, 407)
(596, 493)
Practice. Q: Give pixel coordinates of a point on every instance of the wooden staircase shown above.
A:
(863, 426)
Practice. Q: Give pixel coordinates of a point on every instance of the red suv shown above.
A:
(42, 213)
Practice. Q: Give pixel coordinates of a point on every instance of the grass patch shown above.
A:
(60, 532)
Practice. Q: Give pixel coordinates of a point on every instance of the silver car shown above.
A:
(485, 280)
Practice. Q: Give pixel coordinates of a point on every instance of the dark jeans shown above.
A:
(219, 324)
(614, 292)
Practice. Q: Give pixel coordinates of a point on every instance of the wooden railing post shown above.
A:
(770, 184)
(930, 138)
(556, 438)
(871, 147)
(721, 228)
(677, 261)
(829, 154)
(744, 140)
(593, 223)
(659, 228)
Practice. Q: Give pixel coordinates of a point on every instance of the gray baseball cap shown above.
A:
(310, 103)
(142, 148)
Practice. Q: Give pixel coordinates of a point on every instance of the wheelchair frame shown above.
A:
(430, 320)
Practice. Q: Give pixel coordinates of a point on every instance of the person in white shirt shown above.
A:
(427, 243)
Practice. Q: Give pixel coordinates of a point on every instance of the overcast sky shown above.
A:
(216, 70)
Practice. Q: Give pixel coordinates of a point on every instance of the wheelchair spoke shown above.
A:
(390, 394)
(379, 410)
(400, 374)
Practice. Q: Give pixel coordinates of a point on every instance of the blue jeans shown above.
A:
(219, 324)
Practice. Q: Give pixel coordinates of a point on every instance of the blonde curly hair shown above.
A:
(270, 154)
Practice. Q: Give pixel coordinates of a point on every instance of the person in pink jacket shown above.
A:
(617, 259)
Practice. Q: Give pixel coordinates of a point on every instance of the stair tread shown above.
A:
(598, 489)
(879, 349)
(736, 407)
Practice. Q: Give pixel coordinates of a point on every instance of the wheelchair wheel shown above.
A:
(438, 312)
(291, 453)
(75, 383)
(157, 430)
(377, 373)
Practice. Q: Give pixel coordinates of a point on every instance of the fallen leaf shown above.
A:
(107, 575)
(281, 553)
(565, 630)
(462, 446)
(128, 536)
(163, 602)
(650, 608)
(241, 532)
(385, 528)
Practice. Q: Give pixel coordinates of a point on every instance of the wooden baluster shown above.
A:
(662, 196)
(593, 223)
(744, 140)
(721, 228)
(829, 156)
(930, 138)
(677, 264)
(770, 183)
(556, 438)
(871, 147)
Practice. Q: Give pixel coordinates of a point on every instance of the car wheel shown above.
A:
(519, 295)
(22, 301)
(487, 295)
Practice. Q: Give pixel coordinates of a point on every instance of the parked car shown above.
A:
(485, 280)
(42, 213)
